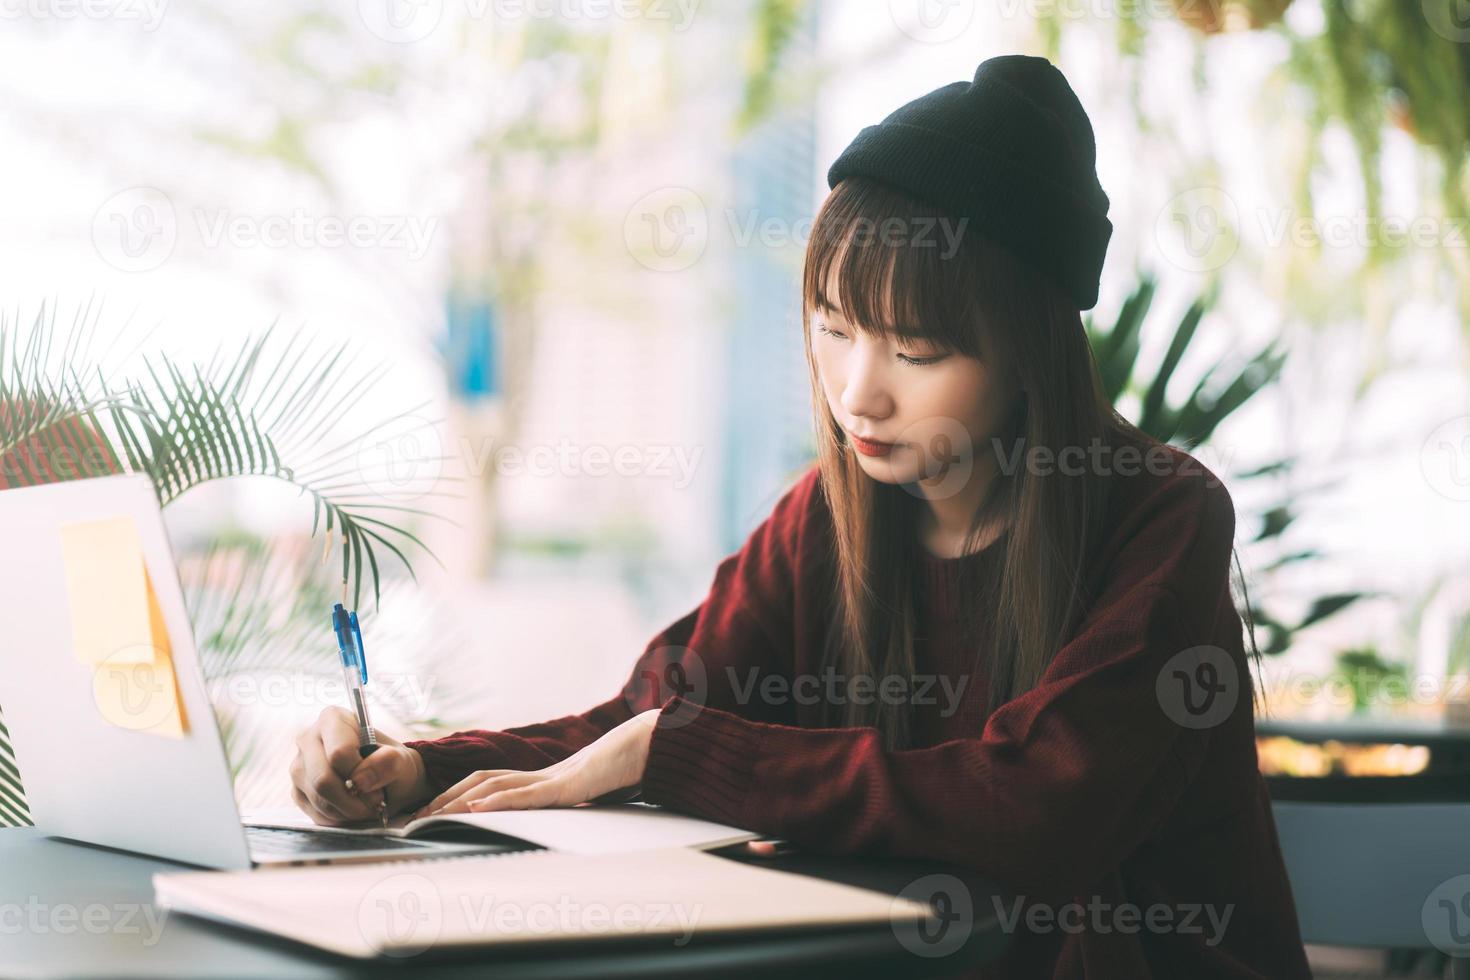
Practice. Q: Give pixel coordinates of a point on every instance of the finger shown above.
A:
(376, 770)
(385, 739)
(308, 808)
(334, 728)
(457, 790)
(320, 810)
(339, 745)
(325, 807)
(452, 793)
(299, 790)
(493, 782)
(325, 786)
(376, 802)
(535, 796)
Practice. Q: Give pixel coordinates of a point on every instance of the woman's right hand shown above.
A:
(327, 757)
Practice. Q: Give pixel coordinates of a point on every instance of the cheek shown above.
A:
(829, 370)
(964, 394)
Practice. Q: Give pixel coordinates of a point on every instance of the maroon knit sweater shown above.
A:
(1140, 839)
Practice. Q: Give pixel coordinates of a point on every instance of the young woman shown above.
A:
(993, 623)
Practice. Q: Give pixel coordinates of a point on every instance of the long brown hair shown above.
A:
(971, 296)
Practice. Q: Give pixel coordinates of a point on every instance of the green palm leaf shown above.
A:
(257, 613)
(1193, 421)
(67, 413)
(45, 407)
(1153, 402)
(234, 418)
(1197, 419)
(13, 809)
(1116, 350)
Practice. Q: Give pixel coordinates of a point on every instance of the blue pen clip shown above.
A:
(361, 652)
(349, 640)
(354, 672)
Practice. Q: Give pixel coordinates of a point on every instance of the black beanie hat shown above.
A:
(1011, 151)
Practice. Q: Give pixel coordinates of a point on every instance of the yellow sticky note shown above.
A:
(118, 628)
(107, 586)
(141, 697)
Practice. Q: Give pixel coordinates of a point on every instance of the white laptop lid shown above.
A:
(86, 778)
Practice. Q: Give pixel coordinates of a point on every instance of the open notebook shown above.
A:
(586, 829)
(402, 909)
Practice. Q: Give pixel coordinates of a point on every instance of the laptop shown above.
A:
(90, 780)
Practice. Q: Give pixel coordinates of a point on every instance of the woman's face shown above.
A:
(934, 410)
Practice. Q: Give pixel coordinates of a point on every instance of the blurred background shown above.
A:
(518, 280)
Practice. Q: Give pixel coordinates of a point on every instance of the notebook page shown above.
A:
(403, 908)
(292, 818)
(601, 829)
(597, 829)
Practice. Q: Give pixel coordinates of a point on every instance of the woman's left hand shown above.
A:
(614, 762)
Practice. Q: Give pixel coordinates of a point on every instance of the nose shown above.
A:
(865, 394)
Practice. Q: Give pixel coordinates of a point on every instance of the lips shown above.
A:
(870, 447)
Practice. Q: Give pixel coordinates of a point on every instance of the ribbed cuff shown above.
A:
(701, 760)
(449, 759)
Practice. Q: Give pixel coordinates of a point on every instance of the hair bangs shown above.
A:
(895, 268)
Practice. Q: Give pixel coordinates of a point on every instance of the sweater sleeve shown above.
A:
(743, 625)
(1062, 783)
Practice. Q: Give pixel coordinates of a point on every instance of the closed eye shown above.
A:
(905, 358)
(821, 328)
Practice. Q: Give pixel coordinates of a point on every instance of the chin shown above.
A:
(899, 466)
(905, 468)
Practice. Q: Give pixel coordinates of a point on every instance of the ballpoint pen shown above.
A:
(354, 669)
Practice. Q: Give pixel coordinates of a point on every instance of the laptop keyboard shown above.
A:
(284, 842)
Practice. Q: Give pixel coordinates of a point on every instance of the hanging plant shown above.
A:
(1379, 64)
(1425, 64)
(1217, 16)
(1371, 69)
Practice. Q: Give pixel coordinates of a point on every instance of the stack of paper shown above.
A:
(405, 908)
